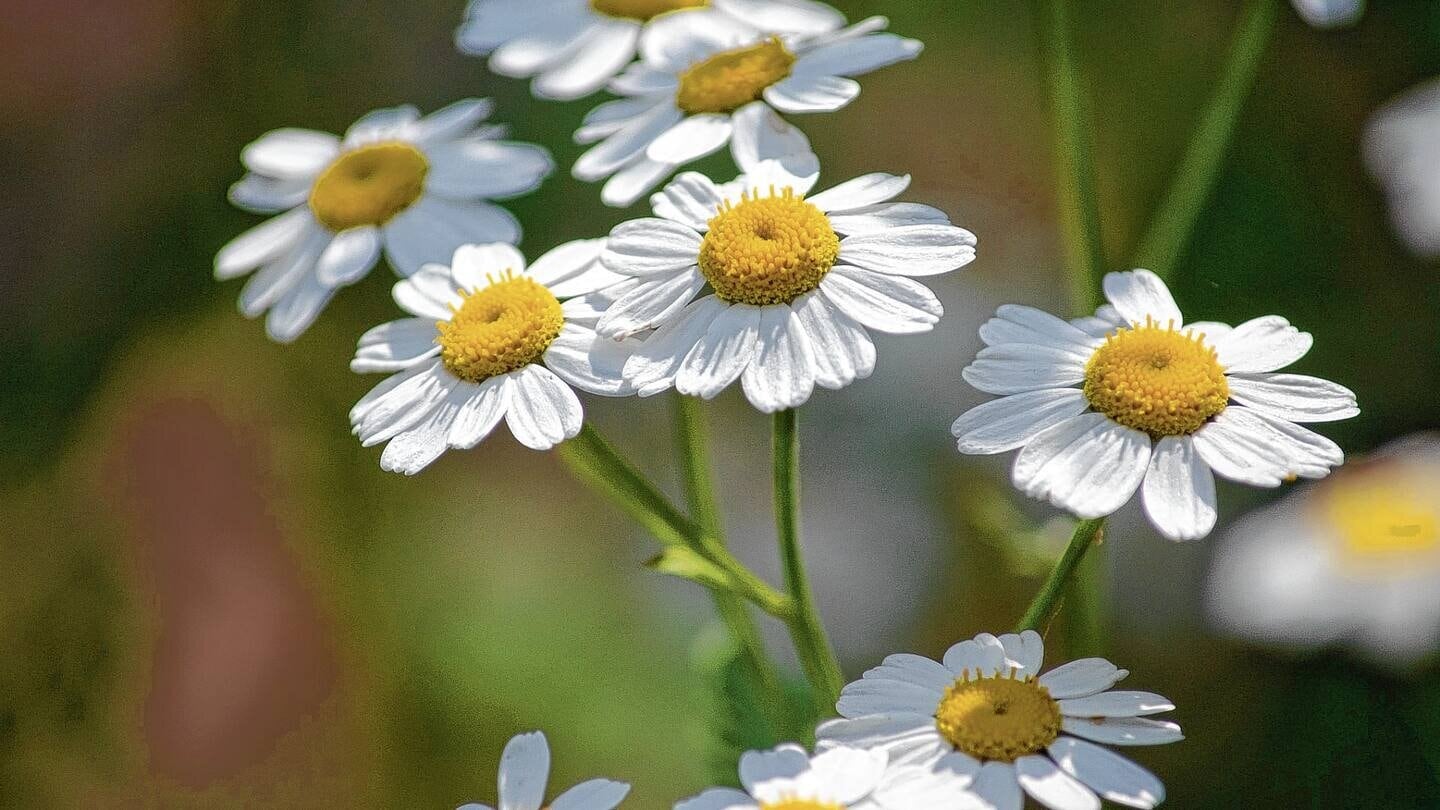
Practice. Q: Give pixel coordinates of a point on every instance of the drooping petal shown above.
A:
(722, 354)
(1114, 777)
(1052, 787)
(1179, 490)
(843, 351)
(1088, 465)
(543, 410)
(782, 375)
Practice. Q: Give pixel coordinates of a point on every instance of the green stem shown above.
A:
(1192, 183)
(1038, 614)
(817, 657)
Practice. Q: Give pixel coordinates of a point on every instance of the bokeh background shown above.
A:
(211, 596)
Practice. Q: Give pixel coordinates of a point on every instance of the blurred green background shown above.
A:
(211, 596)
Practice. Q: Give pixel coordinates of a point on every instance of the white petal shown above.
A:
(1249, 447)
(548, 44)
(1262, 344)
(1117, 703)
(269, 195)
(543, 410)
(1051, 786)
(884, 303)
(691, 139)
(895, 733)
(1123, 730)
(399, 403)
(589, 363)
(718, 799)
(692, 199)
(1015, 368)
(524, 770)
(784, 762)
(627, 143)
(997, 788)
(566, 262)
(1007, 423)
(722, 354)
(473, 267)
(1294, 397)
(760, 135)
(418, 446)
(1140, 294)
(381, 125)
(642, 80)
(263, 243)
(610, 117)
(653, 365)
(1082, 677)
(451, 121)
(472, 169)
(862, 191)
(1114, 777)
(650, 303)
(596, 794)
(1106, 320)
(643, 247)
(1179, 490)
(395, 345)
(884, 696)
(291, 153)
(600, 54)
(433, 228)
(915, 669)
(349, 256)
(297, 309)
(1329, 13)
(842, 350)
(1024, 651)
(429, 293)
(844, 775)
(787, 16)
(1089, 465)
(809, 92)
(282, 275)
(911, 250)
(974, 657)
(480, 411)
(782, 375)
(884, 216)
(853, 57)
(673, 42)
(634, 181)
(1020, 324)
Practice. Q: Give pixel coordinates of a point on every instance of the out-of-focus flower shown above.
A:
(786, 778)
(986, 722)
(490, 339)
(1329, 13)
(795, 280)
(1402, 150)
(1101, 404)
(705, 82)
(574, 47)
(418, 187)
(524, 770)
(1352, 561)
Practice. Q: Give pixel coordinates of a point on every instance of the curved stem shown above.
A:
(1086, 535)
(817, 657)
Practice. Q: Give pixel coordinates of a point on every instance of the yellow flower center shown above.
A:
(369, 185)
(643, 10)
(1385, 516)
(800, 804)
(1156, 379)
(999, 717)
(500, 328)
(768, 250)
(729, 80)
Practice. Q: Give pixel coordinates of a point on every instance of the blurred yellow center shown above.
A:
(1385, 516)
(500, 328)
(1000, 717)
(800, 804)
(729, 80)
(768, 250)
(1156, 379)
(643, 10)
(369, 185)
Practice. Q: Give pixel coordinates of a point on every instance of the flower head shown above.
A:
(786, 778)
(524, 771)
(490, 338)
(985, 721)
(1133, 398)
(418, 188)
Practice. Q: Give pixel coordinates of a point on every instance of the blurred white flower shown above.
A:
(986, 722)
(1329, 13)
(1402, 150)
(489, 339)
(1353, 561)
(1101, 404)
(418, 187)
(786, 778)
(524, 770)
(574, 47)
(795, 280)
(703, 82)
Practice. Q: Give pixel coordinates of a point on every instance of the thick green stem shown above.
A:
(1193, 181)
(1038, 614)
(817, 657)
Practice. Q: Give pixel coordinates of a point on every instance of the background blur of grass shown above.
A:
(210, 595)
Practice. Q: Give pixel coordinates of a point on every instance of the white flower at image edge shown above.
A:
(1134, 398)
(703, 83)
(787, 778)
(418, 188)
(1329, 13)
(524, 772)
(574, 47)
(795, 282)
(1402, 150)
(489, 339)
(985, 722)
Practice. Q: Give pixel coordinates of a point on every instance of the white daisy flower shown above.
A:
(1132, 399)
(524, 771)
(794, 282)
(786, 778)
(705, 82)
(489, 339)
(985, 722)
(418, 187)
(1329, 13)
(1353, 561)
(1402, 150)
(575, 47)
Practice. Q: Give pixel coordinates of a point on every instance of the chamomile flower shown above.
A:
(794, 282)
(787, 778)
(1353, 561)
(1403, 152)
(574, 47)
(702, 83)
(1132, 398)
(418, 188)
(987, 723)
(489, 338)
(525, 770)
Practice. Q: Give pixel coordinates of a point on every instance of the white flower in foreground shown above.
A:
(574, 47)
(418, 187)
(786, 778)
(490, 339)
(524, 770)
(706, 82)
(1353, 561)
(1101, 404)
(1402, 150)
(1329, 13)
(795, 282)
(987, 723)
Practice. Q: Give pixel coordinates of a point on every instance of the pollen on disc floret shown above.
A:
(768, 249)
(368, 185)
(499, 328)
(1156, 379)
(999, 717)
(729, 80)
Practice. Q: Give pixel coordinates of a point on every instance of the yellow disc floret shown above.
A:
(369, 185)
(1000, 717)
(800, 804)
(499, 328)
(729, 80)
(643, 10)
(768, 250)
(1156, 379)
(1384, 515)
